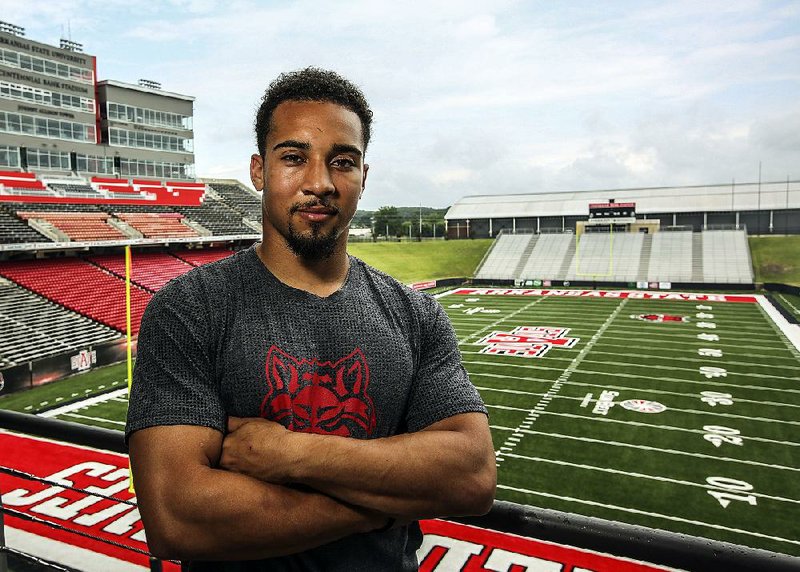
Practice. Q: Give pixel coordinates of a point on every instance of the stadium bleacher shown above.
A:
(240, 199)
(199, 257)
(34, 328)
(157, 225)
(217, 217)
(150, 270)
(77, 226)
(711, 256)
(79, 286)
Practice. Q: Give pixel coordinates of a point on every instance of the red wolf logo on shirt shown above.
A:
(319, 397)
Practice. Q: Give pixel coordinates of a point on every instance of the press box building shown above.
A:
(55, 117)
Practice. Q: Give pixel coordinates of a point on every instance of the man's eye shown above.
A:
(344, 163)
(291, 158)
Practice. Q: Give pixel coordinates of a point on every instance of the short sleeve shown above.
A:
(174, 380)
(441, 387)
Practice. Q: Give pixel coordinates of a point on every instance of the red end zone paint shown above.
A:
(449, 546)
(446, 547)
(99, 472)
(632, 294)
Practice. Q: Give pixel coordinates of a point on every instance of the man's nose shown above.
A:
(318, 179)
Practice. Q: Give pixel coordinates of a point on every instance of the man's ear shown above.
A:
(257, 171)
(364, 180)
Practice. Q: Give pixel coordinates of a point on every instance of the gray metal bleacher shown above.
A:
(713, 256)
(240, 199)
(34, 327)
(726, 257)
(13, 230)
(547, 257)
(670, 257)
(502, 261)
(606, 256)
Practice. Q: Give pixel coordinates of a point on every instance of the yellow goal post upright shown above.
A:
(610, 266)
(128, 334)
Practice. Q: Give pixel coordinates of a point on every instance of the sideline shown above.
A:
(791, 331)
(76, 405)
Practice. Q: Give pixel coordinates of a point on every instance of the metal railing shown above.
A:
(652, 546)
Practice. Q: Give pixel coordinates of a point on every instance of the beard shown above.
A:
(313, 244)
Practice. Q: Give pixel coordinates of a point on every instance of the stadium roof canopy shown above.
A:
(706, 198)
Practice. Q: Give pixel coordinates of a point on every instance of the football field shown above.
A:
(680, 414)
(675, 414)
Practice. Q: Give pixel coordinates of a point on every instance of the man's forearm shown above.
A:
(218, 515)
(445, 470)
(192, 511)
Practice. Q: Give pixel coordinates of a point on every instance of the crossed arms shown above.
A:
(262, 491)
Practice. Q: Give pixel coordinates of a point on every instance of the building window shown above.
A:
(156, 169)
(44, 159)
(143, 116)
(29, 94)
(140, 140)
(46, 127)
(46, 67)
(9, 156)
(95, 164)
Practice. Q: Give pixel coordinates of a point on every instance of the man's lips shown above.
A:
(317, 213)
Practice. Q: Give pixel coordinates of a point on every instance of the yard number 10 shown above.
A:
(727, 494)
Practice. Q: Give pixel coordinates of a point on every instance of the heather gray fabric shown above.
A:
(372, 360)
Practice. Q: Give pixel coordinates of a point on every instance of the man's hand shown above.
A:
(258, 448)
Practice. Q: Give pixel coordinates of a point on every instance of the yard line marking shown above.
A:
(647, 513)
(64, 409)
(694, 370)
(100, 419)
(788, 302)
(652, 426)
(673, 409)
(760, 364)
(657, 450)
(500, 321)
(533, 414)
(625, 375)
(640, 475)
(625, 342)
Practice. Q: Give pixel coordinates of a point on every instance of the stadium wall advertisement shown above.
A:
(53, 368)
(79, 498)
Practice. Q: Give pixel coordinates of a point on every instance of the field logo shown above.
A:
(605, 402)
(527, 341)
(84, 360)
(660, 318)
(643, 406)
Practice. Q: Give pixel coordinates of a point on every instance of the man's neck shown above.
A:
(319, 277)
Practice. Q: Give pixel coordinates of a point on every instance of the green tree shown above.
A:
(388, 222)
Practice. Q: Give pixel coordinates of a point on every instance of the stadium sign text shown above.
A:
(633, 294)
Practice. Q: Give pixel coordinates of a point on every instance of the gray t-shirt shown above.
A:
(372, 360)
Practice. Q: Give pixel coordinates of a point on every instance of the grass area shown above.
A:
(70, 389)
(427, 260)
(790, 302)
(776, 258)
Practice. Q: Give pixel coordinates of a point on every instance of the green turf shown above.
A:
(790, 303)
(776, 258)
(87, 384)
(427, 260)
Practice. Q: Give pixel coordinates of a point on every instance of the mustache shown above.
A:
(314, 204)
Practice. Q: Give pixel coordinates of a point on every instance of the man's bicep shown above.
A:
(164, 460)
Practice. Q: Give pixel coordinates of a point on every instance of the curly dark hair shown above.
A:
(311, 84)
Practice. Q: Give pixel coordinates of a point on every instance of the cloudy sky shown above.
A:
(478, 97)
